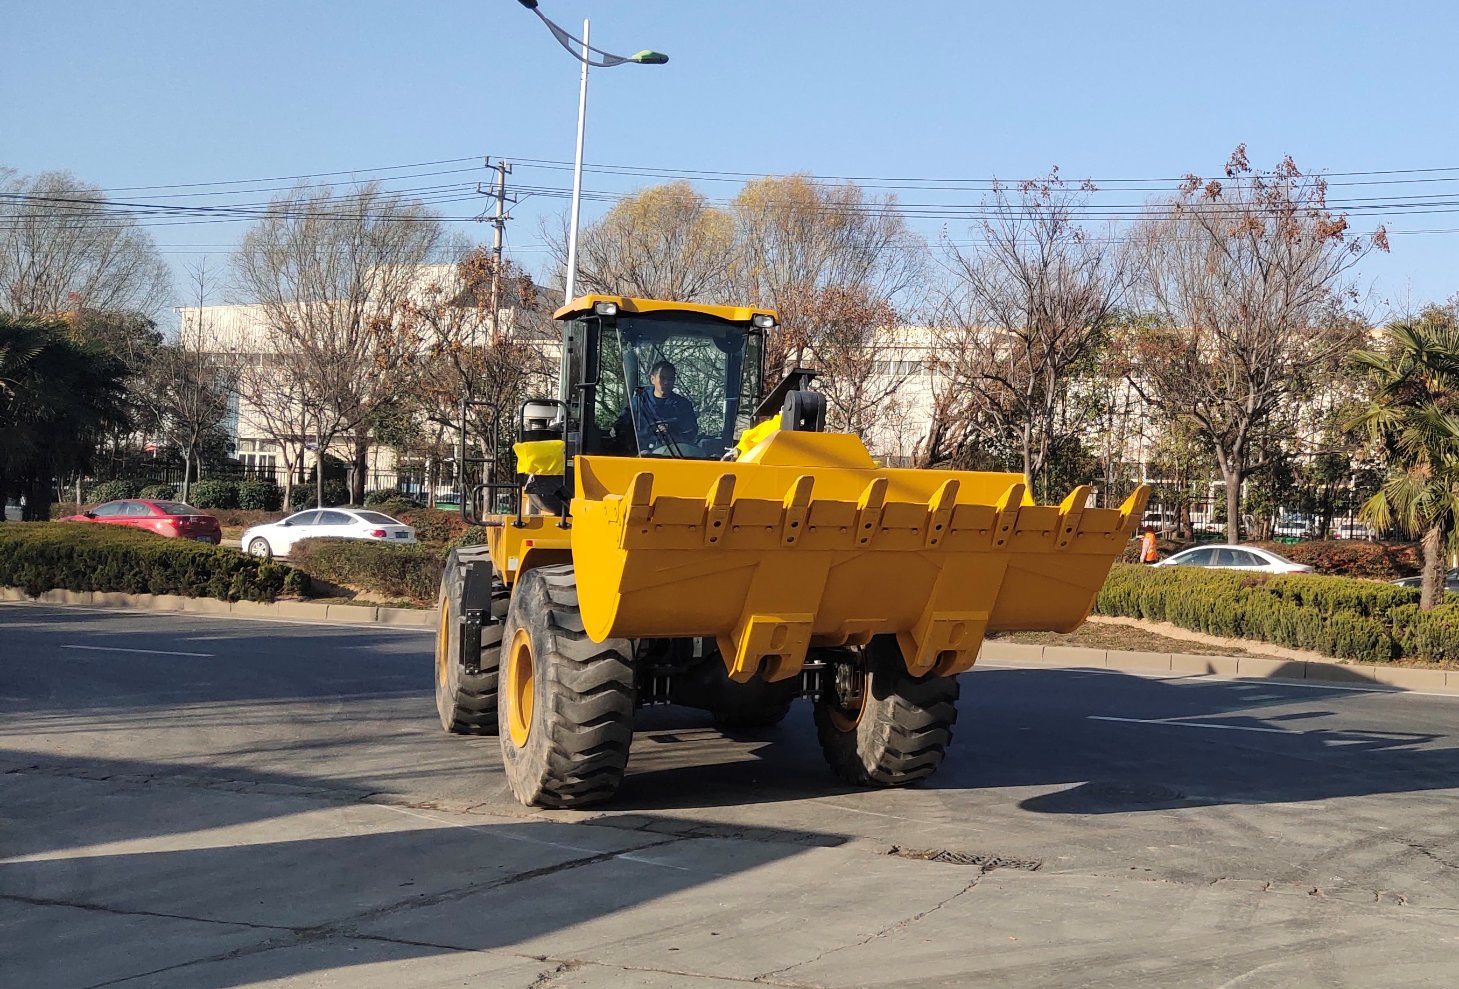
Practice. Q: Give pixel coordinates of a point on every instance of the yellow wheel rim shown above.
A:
(518, 692)
(846, 719)
(443, 644)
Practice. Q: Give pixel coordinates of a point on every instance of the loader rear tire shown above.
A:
(565, 715)
(901, 729)
(466, 703)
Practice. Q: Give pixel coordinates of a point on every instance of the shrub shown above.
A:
(410, 572)
(158, 492)
(335, 493)
(1352, 557)
(1336, 616)
(390, 499)
(260, 495)
(113, 490)
(44, 556)
(433, 525)
(214, 493)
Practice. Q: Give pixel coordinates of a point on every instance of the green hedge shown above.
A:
(43, 556)
(1337, 616)
(378, 568)
(158, 492)
(260, 495)
(113, 491)
(214, 493)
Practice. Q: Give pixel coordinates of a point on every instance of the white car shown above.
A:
(278, 538)
(1224, 556)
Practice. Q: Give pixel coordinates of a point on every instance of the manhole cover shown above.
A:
(985, 862)
(1129, 793)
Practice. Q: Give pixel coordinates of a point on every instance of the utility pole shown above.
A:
(499, 222)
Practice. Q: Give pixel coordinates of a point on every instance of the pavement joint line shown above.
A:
(899, 925)
(144, 652)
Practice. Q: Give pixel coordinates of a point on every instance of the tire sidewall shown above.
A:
(268, 550)
(448, 668)
(527, 612)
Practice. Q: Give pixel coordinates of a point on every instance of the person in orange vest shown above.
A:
(1148, 552)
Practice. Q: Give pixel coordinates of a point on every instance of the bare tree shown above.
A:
(849, 336)
(1028, 311)
(1248, 274)
(663, 242)
(63, 249)
(797, 238)
(332, 274)
(188, 385)
(473, 354)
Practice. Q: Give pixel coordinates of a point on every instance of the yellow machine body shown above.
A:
(804, 541)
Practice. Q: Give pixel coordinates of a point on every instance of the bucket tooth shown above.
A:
(869, 510)
(1071, 510)
(1134, 508)
(939, 512)
(1007, 517)
(717, 506)
(794, 510)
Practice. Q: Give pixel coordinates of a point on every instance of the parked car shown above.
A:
(166, 518)
(1451, 581)
(1353, 530)
(1224, 556)
(1293, 526)
(278, 538)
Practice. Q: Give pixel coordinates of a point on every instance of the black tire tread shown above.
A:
(474, 700)
(905, 728)
(587, 719)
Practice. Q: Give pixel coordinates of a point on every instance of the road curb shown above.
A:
(1241, 667)
(343, 614)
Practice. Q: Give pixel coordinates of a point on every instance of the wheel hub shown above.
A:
(520, 681)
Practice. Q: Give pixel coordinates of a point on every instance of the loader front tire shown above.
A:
(466, 702)
(899, 731)
(565, 714)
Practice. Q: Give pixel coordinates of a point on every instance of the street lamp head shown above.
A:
(649, 58)
(529, 4)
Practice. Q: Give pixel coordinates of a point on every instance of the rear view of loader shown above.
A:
(678, 539)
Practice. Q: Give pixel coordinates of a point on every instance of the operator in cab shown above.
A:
(661, 416)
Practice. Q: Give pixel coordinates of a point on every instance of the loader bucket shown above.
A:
(806, 542)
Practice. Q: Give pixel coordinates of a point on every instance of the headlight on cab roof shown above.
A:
(763, 321)
(605, 308)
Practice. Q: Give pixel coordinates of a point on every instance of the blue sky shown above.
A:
(154, 93)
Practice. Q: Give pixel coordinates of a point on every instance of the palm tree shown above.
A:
(1413, 418)
(58, 398)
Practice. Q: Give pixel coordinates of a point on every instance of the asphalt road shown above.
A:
(188, 801)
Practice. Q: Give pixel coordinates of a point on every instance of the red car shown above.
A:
(166, 518)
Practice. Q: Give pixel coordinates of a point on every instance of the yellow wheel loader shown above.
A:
(672, 533)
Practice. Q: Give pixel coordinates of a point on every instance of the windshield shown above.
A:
(676, 388)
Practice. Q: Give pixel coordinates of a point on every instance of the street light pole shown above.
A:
(577, 175)
(605, 60)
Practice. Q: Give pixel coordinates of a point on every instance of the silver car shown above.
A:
(1225, 556)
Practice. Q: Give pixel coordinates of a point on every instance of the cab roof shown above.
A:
(583, 306)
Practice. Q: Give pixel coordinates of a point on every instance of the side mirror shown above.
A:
(90, 515)
(286, 522)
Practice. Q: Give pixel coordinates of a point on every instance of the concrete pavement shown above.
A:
(199, 801)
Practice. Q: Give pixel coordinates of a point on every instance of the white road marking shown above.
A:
(144, 652)
(1190, 724)
(1274, 682)
(199, 616)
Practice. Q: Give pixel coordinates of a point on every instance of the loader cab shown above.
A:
(711, 356)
